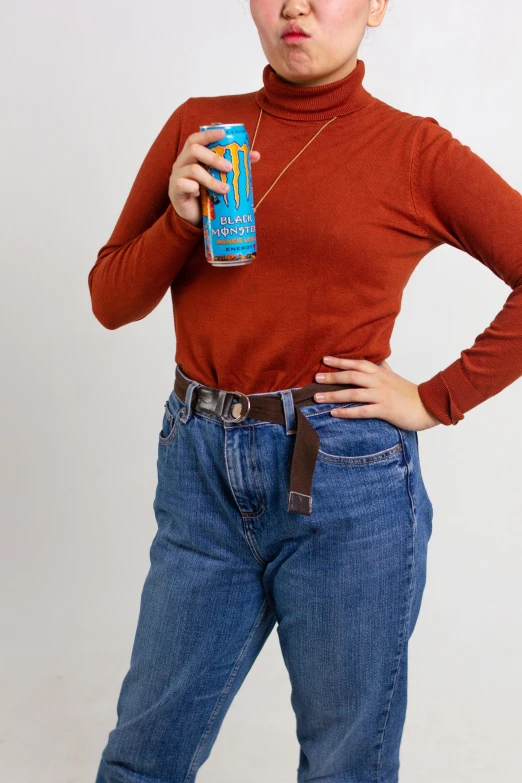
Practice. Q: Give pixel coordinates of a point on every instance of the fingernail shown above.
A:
(320, 377)
(327, 358)
(319, 396)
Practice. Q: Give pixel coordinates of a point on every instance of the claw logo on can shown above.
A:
(228, 218)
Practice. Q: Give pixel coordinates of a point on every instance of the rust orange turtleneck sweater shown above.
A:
(338, 238)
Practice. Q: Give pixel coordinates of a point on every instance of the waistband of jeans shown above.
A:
(271, 407)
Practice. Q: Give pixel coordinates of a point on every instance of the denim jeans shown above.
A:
(228, 562)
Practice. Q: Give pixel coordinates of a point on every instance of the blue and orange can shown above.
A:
(229, 224)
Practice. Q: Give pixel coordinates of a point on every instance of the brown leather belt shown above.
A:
(235, 406)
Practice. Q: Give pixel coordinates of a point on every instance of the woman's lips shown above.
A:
(295, 37)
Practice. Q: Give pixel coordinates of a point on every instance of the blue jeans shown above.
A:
(228, 562)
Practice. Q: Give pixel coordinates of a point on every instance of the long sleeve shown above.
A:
(461, 201)
(150, 242)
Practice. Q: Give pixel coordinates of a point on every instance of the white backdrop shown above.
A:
(86, 89)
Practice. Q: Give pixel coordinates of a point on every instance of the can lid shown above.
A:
(215, 125)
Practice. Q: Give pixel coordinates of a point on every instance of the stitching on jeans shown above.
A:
(228, 471)
(324, 413)
(403, 635)
(253, 515)
(242, 653)
(258, 484)
(250, 537)
(379, 456)
(173, 430)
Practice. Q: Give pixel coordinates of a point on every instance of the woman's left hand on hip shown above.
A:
(389, 396)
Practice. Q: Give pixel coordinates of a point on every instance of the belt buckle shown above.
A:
(241, 416)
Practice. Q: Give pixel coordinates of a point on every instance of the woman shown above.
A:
(273, 503)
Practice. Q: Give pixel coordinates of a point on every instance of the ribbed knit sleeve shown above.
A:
(461, 201)
(150, 242)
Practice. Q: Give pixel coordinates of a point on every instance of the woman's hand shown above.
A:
(389, 396)
(188, 174)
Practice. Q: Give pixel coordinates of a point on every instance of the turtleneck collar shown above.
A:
(320, 102)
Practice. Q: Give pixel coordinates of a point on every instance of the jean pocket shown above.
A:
(172, 411)
(356, 441)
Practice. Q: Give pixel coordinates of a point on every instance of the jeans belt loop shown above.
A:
(289, 410)
(189, 396)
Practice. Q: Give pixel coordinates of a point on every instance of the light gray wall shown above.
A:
(86, 88)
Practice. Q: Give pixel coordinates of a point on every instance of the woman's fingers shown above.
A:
(364, 380)
(200, 174)
(192, 169)
(200, 154)
(371, 411)
(203, 138)
(195, 162)
(195, 149)
(347, 395)
(194, 158)
(364, 365)
(356, 377)
(188, 187)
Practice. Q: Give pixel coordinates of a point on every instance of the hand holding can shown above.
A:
(229, 215)
(189, 174)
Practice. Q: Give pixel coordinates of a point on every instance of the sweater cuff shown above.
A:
(449, 394)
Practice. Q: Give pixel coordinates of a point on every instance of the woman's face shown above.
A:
(335, 29)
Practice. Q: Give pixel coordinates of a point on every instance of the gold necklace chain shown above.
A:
(289, 164)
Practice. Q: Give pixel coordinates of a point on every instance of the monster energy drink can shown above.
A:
(229, 225)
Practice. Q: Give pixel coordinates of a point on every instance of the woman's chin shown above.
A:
(295, 69)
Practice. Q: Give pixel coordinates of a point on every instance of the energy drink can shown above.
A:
(229, 225)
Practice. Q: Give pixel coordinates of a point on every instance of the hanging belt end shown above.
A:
(299, 503)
